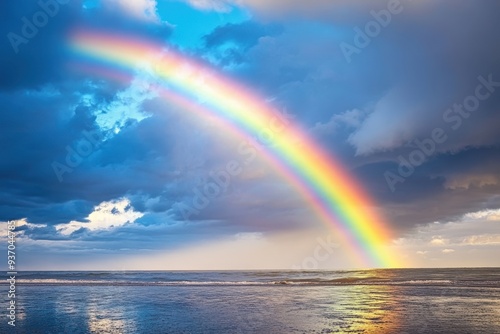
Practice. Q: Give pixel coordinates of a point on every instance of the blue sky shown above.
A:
(381, 85)
(192, 25)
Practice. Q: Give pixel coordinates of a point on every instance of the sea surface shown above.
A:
(370, 301)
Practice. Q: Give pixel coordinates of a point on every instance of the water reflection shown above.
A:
(363, 309)
(105, 315)
(258, 309)
(332, 309)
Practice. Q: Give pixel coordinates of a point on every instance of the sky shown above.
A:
(404, 94)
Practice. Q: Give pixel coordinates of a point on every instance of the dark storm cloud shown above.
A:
(31, 54)
(439, 71)
(35, 33)
(42, 114)
(429, 57)
(34, 128)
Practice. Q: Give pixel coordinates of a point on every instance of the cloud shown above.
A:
(105, 216)
(439, 241)
(389, 125)
(467, 181)
(485, 239)
(246, 34)
(274, 8)
(126, 107)
(18, 67)
(471, 240)
(20, 226)
(139, 9)
(350, 119)
(493, 215)
(215, 5)
(228, 44)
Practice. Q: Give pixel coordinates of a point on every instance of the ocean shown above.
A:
(366, 301)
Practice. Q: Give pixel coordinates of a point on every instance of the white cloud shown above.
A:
(472, 240)
(144, 10)
(390, 124)
(439, 241)
(350, 118)
(106, 215)
(485, 214)
(18, 223)
(127, 105)
(482, 239)
(215, 5)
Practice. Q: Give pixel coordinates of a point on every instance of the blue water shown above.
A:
(377, 301)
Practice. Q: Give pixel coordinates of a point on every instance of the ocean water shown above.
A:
(371, 301)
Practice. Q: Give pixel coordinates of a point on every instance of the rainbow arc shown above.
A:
(335, 196)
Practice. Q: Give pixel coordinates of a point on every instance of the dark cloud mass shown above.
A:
(428, 58)
(372, 110)
(32, 55)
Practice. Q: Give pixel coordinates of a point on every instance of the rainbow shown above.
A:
(333, 194)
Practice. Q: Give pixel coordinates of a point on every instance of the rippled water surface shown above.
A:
(379, 301)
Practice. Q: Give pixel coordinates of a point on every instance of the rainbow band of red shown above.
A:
(334, 195)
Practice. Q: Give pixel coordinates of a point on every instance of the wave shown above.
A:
(128, 282)
(389, 277)
(290, 282)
